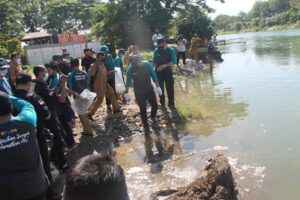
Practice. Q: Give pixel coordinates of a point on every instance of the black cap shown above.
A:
(160, 40)
(5, 105)
(86, 49)
(23, 79)
(52, 65)
(74, 62)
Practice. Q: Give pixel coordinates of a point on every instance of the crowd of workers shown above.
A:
(36, 110)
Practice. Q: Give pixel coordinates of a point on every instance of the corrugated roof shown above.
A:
(35, 35)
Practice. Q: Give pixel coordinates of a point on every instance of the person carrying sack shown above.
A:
(141, 74)
(98, 74)
(77, 83)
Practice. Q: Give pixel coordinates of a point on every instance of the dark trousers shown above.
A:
(181, 54)
(44, 153)
(56, 152)
(67, 132)
(141, 99)
(111, 82)
(165, 77)
(41, 196)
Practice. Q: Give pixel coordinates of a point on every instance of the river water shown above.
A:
(247, 109)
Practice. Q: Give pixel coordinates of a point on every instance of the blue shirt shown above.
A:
(150, 68)
(118, 62)
(4, 86)
(54, 81)
(171, 52)
(109, 63)
(77, 81)
(27, 113)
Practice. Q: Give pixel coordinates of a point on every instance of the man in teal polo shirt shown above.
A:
(164, 58)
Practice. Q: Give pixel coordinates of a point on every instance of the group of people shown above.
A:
(195, 43)
(35, 108)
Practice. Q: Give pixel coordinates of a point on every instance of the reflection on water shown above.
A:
(280, 49)
(166, 145)
(247, 109)
(207, 104)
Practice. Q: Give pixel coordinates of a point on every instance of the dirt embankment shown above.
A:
(217, 184)
(110, 129)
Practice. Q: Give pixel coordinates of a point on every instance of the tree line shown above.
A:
(121, 22)
(264, 15)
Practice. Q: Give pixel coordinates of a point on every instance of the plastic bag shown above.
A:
(84, 102)
(119, 83)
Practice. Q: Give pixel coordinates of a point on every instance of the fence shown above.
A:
(63, 38)
(41, 54)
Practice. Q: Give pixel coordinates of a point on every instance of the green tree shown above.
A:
(194, 20)
(11, 18)
(3, 45)
(33, 11)
(133, 21)
(14, 46)
(222, 22)
(294, 4)
(238, 27)
(261, 9)
(242, 17)
(279, 6)
(264, 14)
(68, 15)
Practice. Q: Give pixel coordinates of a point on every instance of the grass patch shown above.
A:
(29, 69)
(188, 107)
(147, 55)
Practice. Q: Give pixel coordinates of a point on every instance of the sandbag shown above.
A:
(119, 83)
(84, 102)
(193, 64)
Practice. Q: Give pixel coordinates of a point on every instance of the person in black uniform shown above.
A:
(21, 170)
(88, 59)
(50, 98)
(141, 74)
(164, 58)
(62, 110)
(23, 85)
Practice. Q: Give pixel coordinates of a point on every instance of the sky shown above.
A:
(230, 7)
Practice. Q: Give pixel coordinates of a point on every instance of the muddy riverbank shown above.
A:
(217, 184)
(111, 130)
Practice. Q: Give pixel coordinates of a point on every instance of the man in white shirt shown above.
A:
(181, 42)
(155, 37)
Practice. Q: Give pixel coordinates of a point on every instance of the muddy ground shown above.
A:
(111, 129)
(217, 184)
